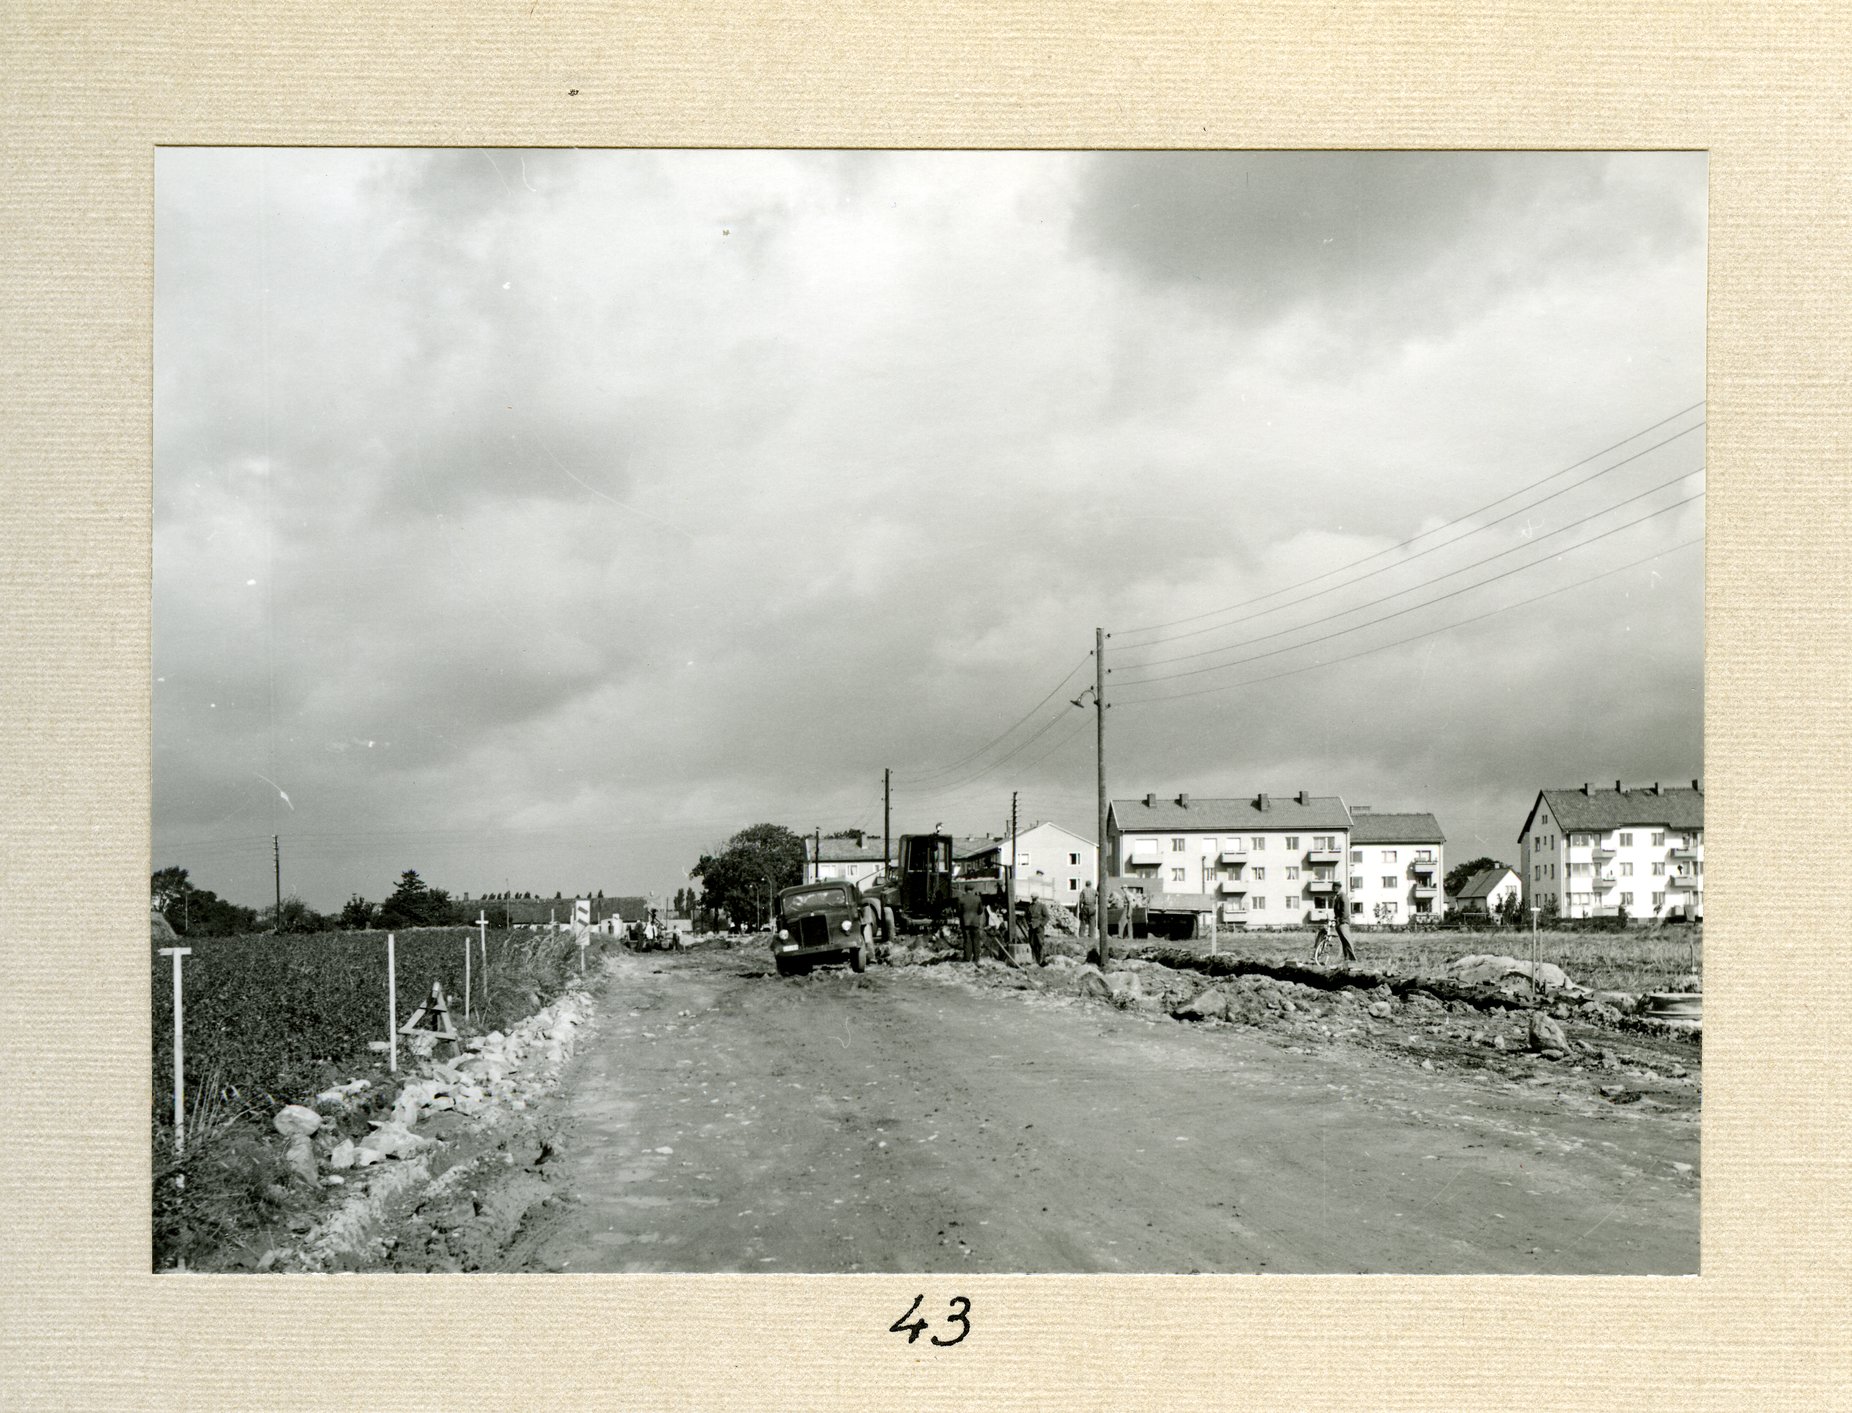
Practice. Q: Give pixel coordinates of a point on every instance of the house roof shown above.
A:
(969, 846)
(1369, 827)
(1597, 811)
(1481, 884)
(846, 850)
(1282, 812)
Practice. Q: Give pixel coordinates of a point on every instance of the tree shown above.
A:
(1459, 873)
(415, 904)
(1512, 909)
(359, 915)
(168, 886)
(297, 916)
(735, 879)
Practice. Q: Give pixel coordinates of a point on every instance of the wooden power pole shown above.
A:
(887, 819)
(276, 856)
(1009, 888)
(1099, 706)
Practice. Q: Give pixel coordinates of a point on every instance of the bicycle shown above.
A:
(1322, 944)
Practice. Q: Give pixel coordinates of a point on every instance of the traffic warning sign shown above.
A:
(433, 1017)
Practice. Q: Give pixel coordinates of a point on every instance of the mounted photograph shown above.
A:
(927, 711)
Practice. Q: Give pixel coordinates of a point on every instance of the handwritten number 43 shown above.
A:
(960, 1316)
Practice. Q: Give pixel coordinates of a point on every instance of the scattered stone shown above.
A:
(296, 1121)
(1379, 1008)
(343, 1156)
(1547, 1034)
(1427, 1064)
(1498, 1043)
(1622, 1001)
(300, 1156)
(1209, 1004)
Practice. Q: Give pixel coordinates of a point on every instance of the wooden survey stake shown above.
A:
(433, 1017)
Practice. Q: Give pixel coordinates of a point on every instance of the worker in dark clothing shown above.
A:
(971, 922)
(1341, 927)
(1086, 910)
(1038, 928)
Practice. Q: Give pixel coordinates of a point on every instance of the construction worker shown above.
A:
(1038, 928)
(971, 921)
(1085, 910)
(1342, 928)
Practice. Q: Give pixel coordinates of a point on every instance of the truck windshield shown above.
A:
(813, 898)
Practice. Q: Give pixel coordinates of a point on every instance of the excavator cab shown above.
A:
(925, 874)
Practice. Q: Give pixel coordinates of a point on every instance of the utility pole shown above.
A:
(887, 818)
(1099, 706)
(816, 858)
(276, 855)
(1009, 887)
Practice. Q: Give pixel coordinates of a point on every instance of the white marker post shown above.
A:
(482, 927)
(1536, 986)
(392, 1006)
(467, 949)
(179, 1049)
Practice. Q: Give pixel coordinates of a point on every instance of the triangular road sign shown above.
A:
(438, 1010)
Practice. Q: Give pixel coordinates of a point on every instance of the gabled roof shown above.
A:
(1481, 884)
(846, 850)
(1282, 812)
(1369, 827)
(1597, 811)
(969, 846)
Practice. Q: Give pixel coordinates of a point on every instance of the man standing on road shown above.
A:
(970, 921)
(1038, 928)
(1085, 911)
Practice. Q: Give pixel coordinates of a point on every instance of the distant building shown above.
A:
(1067, 860)
(854, 857)
(1485, 892)
(1397, 862)
(1594, 852)
(1267, 860)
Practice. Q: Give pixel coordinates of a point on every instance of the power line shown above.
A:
(1425, 583)
(959, 764)
(979, 774)
(1415, 608)
(1413, 637)
(1458, 520)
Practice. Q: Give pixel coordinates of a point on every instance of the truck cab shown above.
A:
(822, 922)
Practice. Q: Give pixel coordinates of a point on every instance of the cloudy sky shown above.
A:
(535, 520)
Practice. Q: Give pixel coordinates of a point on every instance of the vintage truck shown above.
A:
(822, 922)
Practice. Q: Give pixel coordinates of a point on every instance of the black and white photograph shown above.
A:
(870, 711)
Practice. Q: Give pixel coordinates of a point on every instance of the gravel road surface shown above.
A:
(723, 1118)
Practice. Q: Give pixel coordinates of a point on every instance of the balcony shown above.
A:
(1686, 852)
(1232, 856)
(1322, 885)
(1601, 853)
(1425, 890)
(1689, 882)
(1425, 865)
(1232, 885)
(1602, 883)
(1324, 856)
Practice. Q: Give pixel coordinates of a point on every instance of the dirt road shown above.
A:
(916, 1118)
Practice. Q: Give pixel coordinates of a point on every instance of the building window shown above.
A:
(1388, 855)
(1356, 908)
(1659, 901)
(1659, 869)
(1389, 883)
(1176, 875)
(1292, 841)
(1355, 884)
(1292, 902)
(1626, 841)
(1356, 855)
(1260, 842)
(1259, 873)
(1292, 872)
(1659, 839)
(1260, 904)
(1578, 870)
(1176, 846)
(1389, 909)
(1626, 870)
(1073, 860)
(1626, 900)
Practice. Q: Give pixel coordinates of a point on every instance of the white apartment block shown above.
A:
(1397, 864)
(850, 857)
(1067, 860)
(1258, 861)
(1593, 852)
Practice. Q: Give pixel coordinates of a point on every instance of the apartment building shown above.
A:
(1397, 862)
(1263, 860)
(851, 856)
(1067, 860)
(1594, 852)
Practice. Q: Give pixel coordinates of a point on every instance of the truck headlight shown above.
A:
(847, 926)
(783, 933)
